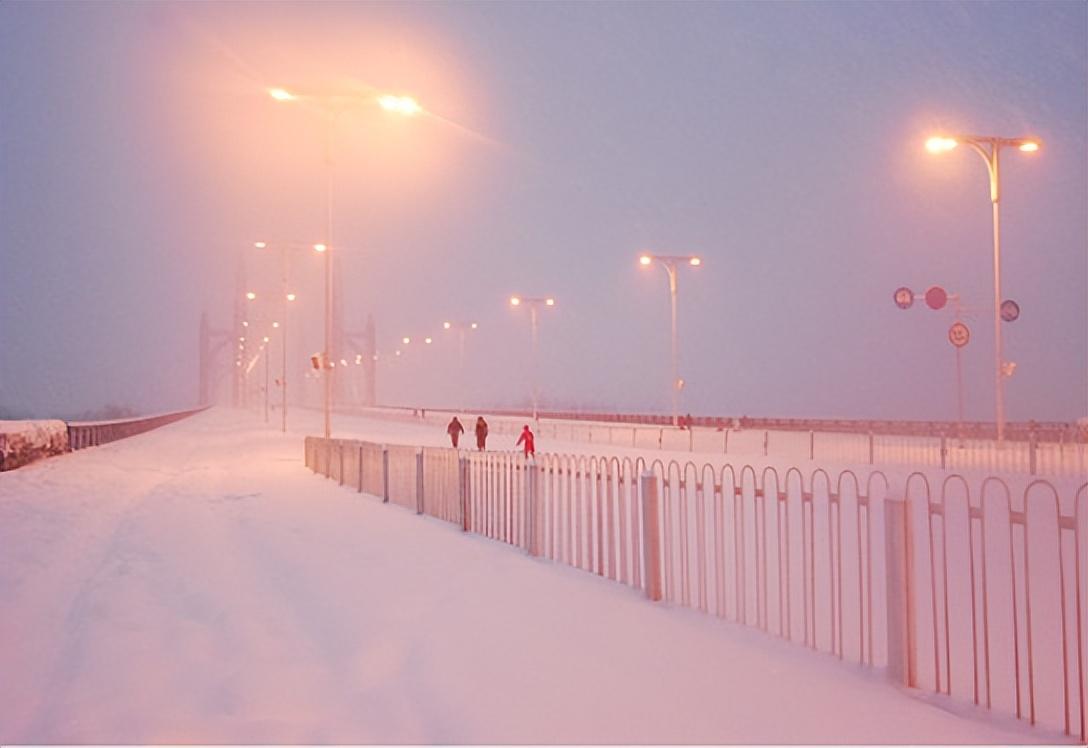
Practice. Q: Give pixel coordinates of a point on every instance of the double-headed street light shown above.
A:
(333, 105)
(989, 148)
(534, 304)
(671, 263)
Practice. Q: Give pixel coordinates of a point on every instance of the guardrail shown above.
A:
(957, 589)
(1033, 457)
(1043, 431)
(83, 434)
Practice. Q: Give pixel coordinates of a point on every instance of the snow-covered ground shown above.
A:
(198, 584)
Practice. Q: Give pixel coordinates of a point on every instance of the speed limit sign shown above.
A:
(959, 335)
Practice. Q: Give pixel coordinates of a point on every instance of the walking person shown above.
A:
(526, 438)
(481, 433)
(455, 429)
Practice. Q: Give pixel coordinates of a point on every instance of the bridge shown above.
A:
(197, 583)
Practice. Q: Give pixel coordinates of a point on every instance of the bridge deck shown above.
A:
(198, 584)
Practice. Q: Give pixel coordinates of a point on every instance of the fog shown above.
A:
(141, 156)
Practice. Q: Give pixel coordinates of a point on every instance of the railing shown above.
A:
(1031, 457)
(841, 564)
(1043, 431)
(93, 433)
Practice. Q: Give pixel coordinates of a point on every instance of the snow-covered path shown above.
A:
(198, 584)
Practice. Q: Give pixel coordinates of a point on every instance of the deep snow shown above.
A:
(198, 584)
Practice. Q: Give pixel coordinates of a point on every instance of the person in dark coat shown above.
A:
(526, 438)
(481, 433)
(455, 429)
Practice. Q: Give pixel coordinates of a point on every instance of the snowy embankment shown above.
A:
(24, 442)
(198, 584)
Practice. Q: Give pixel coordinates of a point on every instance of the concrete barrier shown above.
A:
(23, 442)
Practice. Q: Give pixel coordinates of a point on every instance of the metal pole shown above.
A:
(533, 362)
(267, 358)
(959, 383)
(328, 277)
(675, 363)
(999, 384)
(283, 366)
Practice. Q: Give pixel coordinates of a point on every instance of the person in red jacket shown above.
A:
(526, 438)
(455, 429)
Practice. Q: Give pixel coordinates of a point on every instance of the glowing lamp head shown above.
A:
(404, 105)
(406, 341)
(260, 245)
(398, 352)
(266, 338)
(645, 260)
(280, 94)
(549, 302)
(250, 295)
(275, 325)
(695, 261)
(320, 247)
(445, 325)
(291, 297)
(245, 324)
(515, 300)
(939, 144)
(1029, 146)
(428, 341)
(474, 325)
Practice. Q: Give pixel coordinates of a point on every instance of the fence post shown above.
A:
(811, 444)
(419, 482)
(360, 472)
(536, 519)
(871, 449)
(902, 667)
(1032, 453)
(385, 474)
(651, 536)
(340, 452)
(725, 444)
(328, 458)
(766, 439)
(462, 483)
(691, 438)
(944, 452)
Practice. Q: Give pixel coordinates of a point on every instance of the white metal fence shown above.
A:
(965, 589)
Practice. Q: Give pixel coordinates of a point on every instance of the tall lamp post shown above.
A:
(989, 148)
(333, 106)
(671, 263)
(287, 298)
(534, 304)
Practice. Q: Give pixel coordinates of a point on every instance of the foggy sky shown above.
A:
(140, 157)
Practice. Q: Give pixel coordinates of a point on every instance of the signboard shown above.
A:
(959, 334)
(936, 297)
(1010, 310)
(904, 297)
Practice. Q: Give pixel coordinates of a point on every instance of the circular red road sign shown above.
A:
(1010, 310)
(936, 297)
(959, 334)
(904, 297)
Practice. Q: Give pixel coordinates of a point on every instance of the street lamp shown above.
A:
(534, 304)
(670, 263)
(333, 106)
(989, 148)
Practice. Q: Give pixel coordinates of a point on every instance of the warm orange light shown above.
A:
(938, 144)
(398, 353)
(1029, 147)
(245, 324)
(474, 325)
(427, 341)
(242, 339)
(406, 341)
(514, 300)
(291, 297)
(266, 338)
(320, 247)
(550, 302)
(280, 94)
(260, 245)
(645, 260)
(275, 325)
(405, 105)
(251, 296)
(695, 261)
(446, 325)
